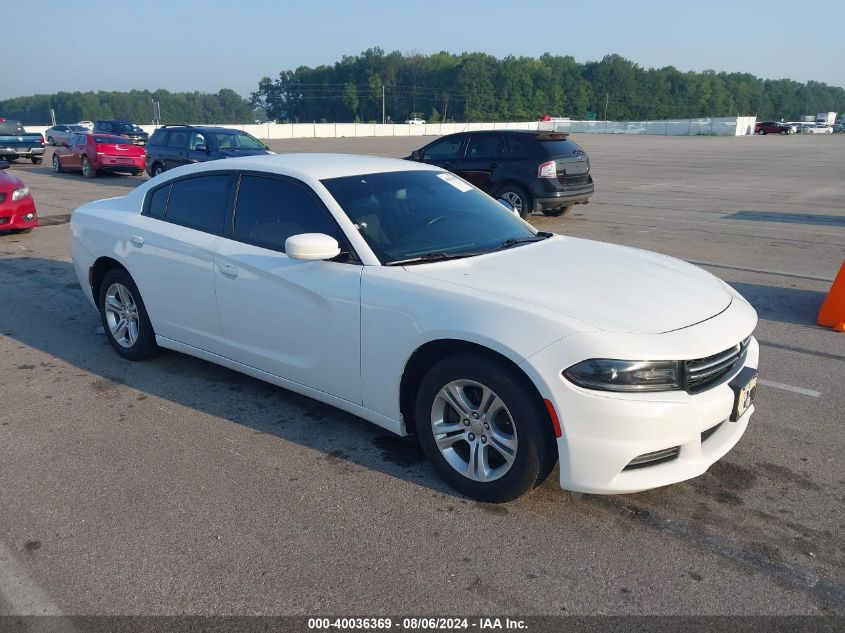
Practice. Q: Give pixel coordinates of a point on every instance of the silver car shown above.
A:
(62, 132)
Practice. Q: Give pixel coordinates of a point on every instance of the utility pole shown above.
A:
(606, 99)
(382, 104)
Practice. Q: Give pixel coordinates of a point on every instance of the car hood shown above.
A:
(610, 287)
(233, 153)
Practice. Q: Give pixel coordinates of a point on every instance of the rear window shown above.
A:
(112, 140)
(159, 137)
(11, 127)
(557, 144)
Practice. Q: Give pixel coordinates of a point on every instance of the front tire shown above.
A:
(484, 428)
(762, 132)
(124, 316)
(518, 199)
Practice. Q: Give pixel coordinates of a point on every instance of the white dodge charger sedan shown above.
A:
(402, 294)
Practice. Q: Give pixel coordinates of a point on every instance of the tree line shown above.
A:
(226, 106)
(480, 87)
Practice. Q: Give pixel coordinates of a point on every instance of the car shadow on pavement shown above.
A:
(104, 178)
(187, 381)
(787, 218)
(786, 305)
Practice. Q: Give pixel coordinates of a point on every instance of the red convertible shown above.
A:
(17, 208)
(91, 153)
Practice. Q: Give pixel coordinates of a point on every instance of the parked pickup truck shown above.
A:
(15, 142)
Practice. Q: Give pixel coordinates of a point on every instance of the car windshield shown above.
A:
(426, 215)
(11, 127)
(78, 128)
(228, 140)
(126, 128)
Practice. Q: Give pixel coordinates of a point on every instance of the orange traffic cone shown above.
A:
(832, 313)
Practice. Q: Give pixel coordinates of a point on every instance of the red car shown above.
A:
(91, 153)
(772, 127)
(17, 208)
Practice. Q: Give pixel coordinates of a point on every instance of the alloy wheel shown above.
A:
(473, 430)
(121, 315)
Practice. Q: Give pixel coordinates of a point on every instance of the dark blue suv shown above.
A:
(174, 145)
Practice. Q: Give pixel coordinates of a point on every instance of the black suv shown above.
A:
(533, 171)
(174, 145)
(123, 128)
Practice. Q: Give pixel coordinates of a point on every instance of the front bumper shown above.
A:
(16, 215)
(604, 432)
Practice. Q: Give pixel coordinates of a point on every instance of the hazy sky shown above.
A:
(211, 44)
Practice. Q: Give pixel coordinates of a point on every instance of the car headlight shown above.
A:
(17, 194)
(606, 374)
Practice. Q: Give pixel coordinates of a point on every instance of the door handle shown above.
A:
(494, 165)
(228, 270)
(137, 240)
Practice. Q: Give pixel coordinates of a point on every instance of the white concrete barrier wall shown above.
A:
(717, 126)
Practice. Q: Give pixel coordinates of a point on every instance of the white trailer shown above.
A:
(826, 118)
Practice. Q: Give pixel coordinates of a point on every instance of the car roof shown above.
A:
(201, 128)
(308, 166)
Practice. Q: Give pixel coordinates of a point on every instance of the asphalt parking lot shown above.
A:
(175, 486)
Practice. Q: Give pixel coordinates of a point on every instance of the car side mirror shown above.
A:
(4, 164)
(507, 205)
(416, 155)
(311, 247)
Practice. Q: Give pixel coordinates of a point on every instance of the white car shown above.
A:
(415, 121)
(816, 128)
(404, 295)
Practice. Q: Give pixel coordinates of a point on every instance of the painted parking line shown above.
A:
(20, 591)
(792, 388)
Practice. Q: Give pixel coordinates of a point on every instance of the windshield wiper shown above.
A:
(436, 256)
(514, 241)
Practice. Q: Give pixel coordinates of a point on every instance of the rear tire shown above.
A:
(157, 170)
(518, 199)
(495, 413)
(36, 161)
(784, 132)
(87, 170)
(124, 316)
(50, 140)
(57, 165)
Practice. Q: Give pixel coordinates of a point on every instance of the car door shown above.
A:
(176, 151)
(299, 320)
(76, 147)
(445, 152)
(170, 255)
(485, 155)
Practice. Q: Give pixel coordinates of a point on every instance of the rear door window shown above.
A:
(485, 146)
(200, 202)
(178, 139)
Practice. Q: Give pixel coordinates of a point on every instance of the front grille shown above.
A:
(708, 432)
(654, 458)
(5, 220)
(702, 373)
